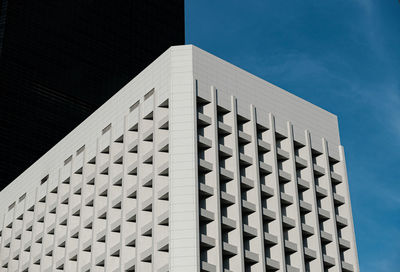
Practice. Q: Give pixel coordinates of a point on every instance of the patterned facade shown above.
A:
(185, 169)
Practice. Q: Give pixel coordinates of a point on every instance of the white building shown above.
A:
(195, 165)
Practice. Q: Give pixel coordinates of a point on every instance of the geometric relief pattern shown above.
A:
(187, 179)
(267, 201)
(107, 212)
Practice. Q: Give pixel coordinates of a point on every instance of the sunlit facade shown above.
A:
(195, 165)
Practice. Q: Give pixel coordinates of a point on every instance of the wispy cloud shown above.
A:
(387, 263)
(387, 197)
(390, 107)
(342, 56)
(386, 251)
(382, 100)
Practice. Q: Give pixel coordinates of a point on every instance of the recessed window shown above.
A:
(43, 180)
(22, 197)
(11, 206)
(149, 94)
(80, 150)
(106, 129)
(68, 160)
(134, 106)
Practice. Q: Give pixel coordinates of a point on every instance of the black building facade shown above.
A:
(60, 60)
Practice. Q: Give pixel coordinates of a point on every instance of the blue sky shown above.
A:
(343, 56)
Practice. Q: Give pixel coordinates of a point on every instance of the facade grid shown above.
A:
(177, 172)
(267, 201)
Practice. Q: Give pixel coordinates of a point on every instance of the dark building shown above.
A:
(60, 60)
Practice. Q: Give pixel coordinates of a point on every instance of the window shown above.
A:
(80, 150)
(106, 129)
(134, 106)
(22, 197)
(11, 206)
(43, 180)
(149, 94)
(69, 159)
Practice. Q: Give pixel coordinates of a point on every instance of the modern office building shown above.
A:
(61, 60)
(195, 165)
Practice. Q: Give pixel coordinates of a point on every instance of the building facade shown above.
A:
(195, 165)
(61, 60)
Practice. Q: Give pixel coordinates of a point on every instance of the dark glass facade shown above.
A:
(60, 60)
